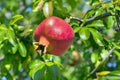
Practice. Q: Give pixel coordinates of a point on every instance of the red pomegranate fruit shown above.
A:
(55, 34)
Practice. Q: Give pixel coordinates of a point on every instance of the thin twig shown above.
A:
(106, 57)
(95, 69)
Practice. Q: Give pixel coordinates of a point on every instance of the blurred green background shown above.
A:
(92, 42)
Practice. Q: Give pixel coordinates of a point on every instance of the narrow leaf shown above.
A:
(22, 48)
(14, 45)
(96, 24)
(117, 53)
(38, 5)
(115, 73)
(116, 45)
(103, 73)
(15, 19)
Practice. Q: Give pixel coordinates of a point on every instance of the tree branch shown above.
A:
(92, 19)
(106, 57)
(99, 17)
(95, 69)
(118, 20)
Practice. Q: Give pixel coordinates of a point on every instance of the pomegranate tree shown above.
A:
(54, 35)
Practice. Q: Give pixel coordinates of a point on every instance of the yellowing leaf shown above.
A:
(103, 73)
(95, 79)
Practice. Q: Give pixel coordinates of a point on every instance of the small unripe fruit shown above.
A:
(55, 34)
(48, 9)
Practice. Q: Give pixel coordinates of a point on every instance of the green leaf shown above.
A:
(27, 31)
(35, 65)
(98, 11)
(84, 33)
(60, 66)
(3, 35)
(21, 48)
(114, 75)
(97, 36)
(53, 72)
(8, 35)
(109, 21)
(116, 45)
(3, 27)
(14, 45)
(47, 57)
(94, 57)
(71, 3)
(12, 40)
(38, 5)
(117, 53)
(2, 55)
(76, 26)
(11, 33)
(39, 75)
(96, 24)
(15, 19)
(1, 45)
(47, 71)
(35, 5)
(76, 29)
(117, 8)
(49, 63)
(88, 14)
(59, 3)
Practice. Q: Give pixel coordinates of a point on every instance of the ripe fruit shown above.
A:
(55, 34)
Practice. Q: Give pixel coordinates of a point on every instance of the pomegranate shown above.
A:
(55, 34)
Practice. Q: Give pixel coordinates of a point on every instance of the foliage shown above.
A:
(94, 54)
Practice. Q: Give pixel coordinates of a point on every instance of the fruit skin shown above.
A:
(55, 34)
